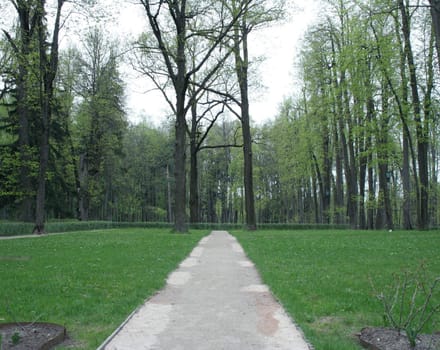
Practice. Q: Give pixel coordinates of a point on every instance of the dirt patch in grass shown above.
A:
(327, 324)
(31, 336)
(390, 339)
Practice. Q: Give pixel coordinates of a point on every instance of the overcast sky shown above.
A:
(279, 44)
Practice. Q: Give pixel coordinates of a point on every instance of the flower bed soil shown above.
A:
(390, 339)
(31, 336)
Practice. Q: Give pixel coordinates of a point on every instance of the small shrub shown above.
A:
(410, 303)
(16, 338)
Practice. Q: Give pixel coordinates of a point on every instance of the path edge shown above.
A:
(130, 316)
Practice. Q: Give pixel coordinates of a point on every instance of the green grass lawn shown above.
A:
(87, 281)
(323, 277)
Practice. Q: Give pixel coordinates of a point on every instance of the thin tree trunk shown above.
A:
(362, 179)
(194, 174)
(170, 213)
(406, 185)
(326, 178)
(371, 194)
(319, 214)
(83, 188)
(339, 185)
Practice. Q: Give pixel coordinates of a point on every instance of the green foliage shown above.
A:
(8, 228)
(295, 227)
(15, 228)
(18, 228)
(147, 167)
(87, 281)
(323, 277)
(15, 338)
(221, 172)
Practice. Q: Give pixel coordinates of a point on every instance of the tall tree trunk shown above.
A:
(225, 192)
(181, 87)
(422, 137)
(326, 177)
(347, 153)
(48, 71)
(251, 221)
(194, 175)
(242, 65)
(180, 225)
(435, 15)
(406, 184)
(170, 213)
(83, 188)
(434, 182)
(406, 142)
(362, 179)
(371, 194)
(212, 205)
(364, 164)
(384, 211)
(428, 114)
(339, 181)
(350, 160)
(193, 191)
(40, 211)
(319, 209)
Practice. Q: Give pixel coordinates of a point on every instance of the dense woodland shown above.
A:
(357, 142)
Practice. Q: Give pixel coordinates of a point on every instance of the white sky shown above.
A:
(278, 44)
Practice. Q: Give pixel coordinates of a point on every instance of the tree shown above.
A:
(420, 123)
(37, 56)
(101, 120)
(143, 191)
(255, 14)
(367, 134)
(174, 25)
(201, 124)
(25, 53)
(221, 174)
(48, 71)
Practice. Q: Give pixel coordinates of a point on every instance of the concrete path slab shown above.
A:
(215, 300)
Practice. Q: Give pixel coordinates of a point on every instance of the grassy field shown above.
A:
(87, 281)
(323, 277)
